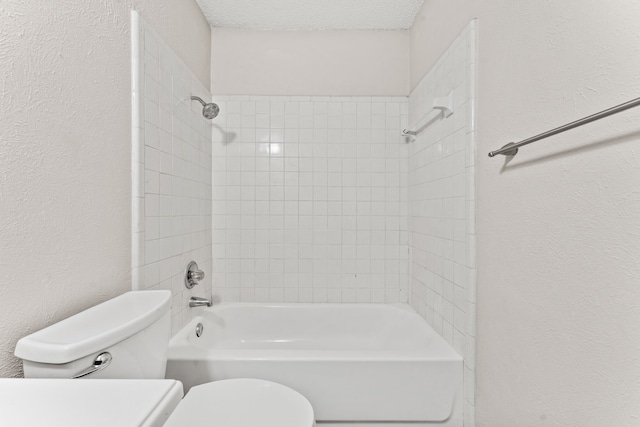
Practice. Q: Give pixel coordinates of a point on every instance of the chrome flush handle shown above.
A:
(99, 363)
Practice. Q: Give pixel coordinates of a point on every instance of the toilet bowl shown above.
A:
(127, 338)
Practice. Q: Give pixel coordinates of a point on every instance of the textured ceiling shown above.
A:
(311, 14)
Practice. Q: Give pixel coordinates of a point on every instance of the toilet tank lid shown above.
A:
(95, 329)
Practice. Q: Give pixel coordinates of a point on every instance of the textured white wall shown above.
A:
(558, 227)
(332, 63)
(309, 199)
(65, 149)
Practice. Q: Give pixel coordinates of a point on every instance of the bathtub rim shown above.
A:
(181, 349)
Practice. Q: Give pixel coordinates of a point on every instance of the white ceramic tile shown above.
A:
(317, 197)
(173, 177)
(441, 205)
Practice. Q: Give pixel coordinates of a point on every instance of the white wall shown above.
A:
(332, 63)
(309, 199)
(441, 203)
(171, 174)
(558, 247)
(65, 150)
(437, 24)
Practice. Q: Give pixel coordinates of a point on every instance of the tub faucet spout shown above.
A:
(199, 302)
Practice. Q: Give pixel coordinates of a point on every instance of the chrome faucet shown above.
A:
(192, 275)
(199, 302)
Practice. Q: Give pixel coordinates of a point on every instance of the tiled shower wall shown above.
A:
(309, 200)
(171, 173)
(442, 205)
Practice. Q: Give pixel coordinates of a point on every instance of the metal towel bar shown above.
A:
(511, 149)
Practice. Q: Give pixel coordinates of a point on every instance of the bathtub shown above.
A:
(367, 363)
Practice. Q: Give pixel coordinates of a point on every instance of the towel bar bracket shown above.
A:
(511, 152)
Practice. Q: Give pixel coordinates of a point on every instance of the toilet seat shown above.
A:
(242, 403)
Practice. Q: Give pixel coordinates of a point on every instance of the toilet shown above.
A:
(127, 338)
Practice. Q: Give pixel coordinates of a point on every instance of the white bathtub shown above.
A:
(354, 362)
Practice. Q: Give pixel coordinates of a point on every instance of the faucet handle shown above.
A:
(192, 275)
(196, 275)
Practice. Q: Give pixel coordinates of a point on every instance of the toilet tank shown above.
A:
(134, 328)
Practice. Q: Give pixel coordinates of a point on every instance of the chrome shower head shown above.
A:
(209, 111)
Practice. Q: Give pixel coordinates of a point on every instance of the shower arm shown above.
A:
(197, 98)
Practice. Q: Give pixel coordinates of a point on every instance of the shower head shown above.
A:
(209, 111)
